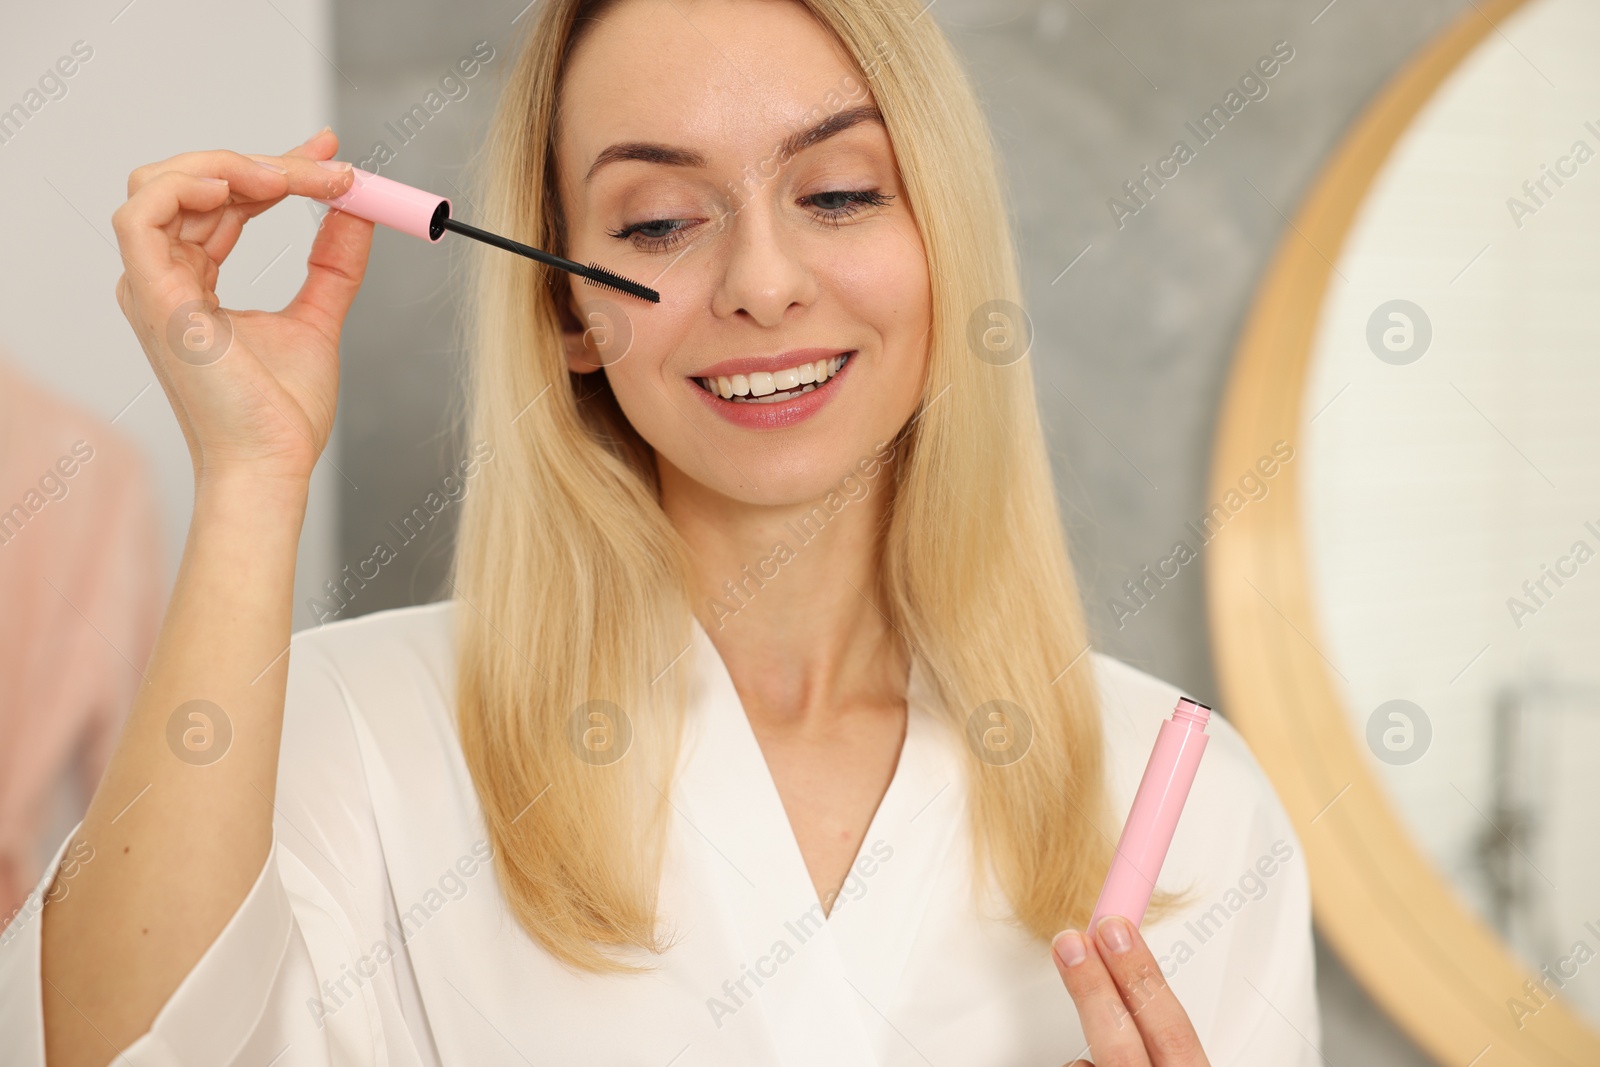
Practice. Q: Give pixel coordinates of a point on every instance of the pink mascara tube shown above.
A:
(1154, 815)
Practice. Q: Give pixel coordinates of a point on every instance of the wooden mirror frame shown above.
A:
(1437, 968)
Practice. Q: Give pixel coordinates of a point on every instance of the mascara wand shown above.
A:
(427, 215)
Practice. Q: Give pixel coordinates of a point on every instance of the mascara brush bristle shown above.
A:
(606, 280)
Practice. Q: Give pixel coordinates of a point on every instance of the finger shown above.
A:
(217, 235)
(1169, 1036)
(334, 269)
(338, 257)
(321, 145)
(304, 174)
(251, 177)
(255, 183)
(324, 144)
(141, 225)
(1113, 1037)
(320, 179)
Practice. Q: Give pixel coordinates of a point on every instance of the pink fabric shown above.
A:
(81, 591)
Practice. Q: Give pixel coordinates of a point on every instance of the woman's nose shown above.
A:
(765, 270)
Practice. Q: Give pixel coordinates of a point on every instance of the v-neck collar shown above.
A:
(844, 968)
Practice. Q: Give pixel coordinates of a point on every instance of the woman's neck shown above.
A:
(789, 594)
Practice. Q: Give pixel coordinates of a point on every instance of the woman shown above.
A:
(762, 726)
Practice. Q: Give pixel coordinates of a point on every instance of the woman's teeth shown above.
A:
(764, 388)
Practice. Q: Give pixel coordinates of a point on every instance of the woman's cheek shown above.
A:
(886, 274)
(888, 292)
(641, 389)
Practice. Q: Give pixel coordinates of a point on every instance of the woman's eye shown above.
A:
(657, 235)
(830, 208)
(848, 202)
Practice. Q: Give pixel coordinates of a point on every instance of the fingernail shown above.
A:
(215, 181)
(1069, 946)
(333, 164)
(271, 166)
(319, 133)
(1114, 934)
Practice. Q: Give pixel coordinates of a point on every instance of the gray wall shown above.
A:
(1132, 344)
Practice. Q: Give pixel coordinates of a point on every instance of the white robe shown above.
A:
(376, 932)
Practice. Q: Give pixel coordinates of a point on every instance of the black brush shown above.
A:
(593, 274)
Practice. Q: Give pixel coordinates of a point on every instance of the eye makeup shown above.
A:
(838, 206)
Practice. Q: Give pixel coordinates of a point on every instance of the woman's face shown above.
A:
(773, 265)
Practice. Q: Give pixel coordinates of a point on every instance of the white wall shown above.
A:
(165, 76)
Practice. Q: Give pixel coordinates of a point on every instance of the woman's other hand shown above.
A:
(1130, 1016)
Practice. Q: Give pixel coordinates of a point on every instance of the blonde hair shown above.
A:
(575, 587)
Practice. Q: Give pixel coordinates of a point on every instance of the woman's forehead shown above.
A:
(726, 78)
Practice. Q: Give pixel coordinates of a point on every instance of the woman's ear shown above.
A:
(581, 359)
(595, 333)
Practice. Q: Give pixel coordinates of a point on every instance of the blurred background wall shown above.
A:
(165, 76)
(149, 79)
(1135, 310)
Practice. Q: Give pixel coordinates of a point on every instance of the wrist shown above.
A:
(250, 492)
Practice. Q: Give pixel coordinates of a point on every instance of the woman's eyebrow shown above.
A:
(673, 156)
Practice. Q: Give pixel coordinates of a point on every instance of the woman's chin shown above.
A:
(795, 474)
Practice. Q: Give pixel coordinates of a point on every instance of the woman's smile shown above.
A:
(749, 394)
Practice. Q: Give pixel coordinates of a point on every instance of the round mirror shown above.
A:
(1408, 637)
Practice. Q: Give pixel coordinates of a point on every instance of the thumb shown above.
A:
(334, 269)
(338, 258)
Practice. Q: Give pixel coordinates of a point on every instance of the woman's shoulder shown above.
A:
(382, 683)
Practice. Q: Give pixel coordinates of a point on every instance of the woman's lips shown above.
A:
(763, 413)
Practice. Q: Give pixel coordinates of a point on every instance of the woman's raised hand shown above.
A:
(254, 391)
(1129, 1014)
